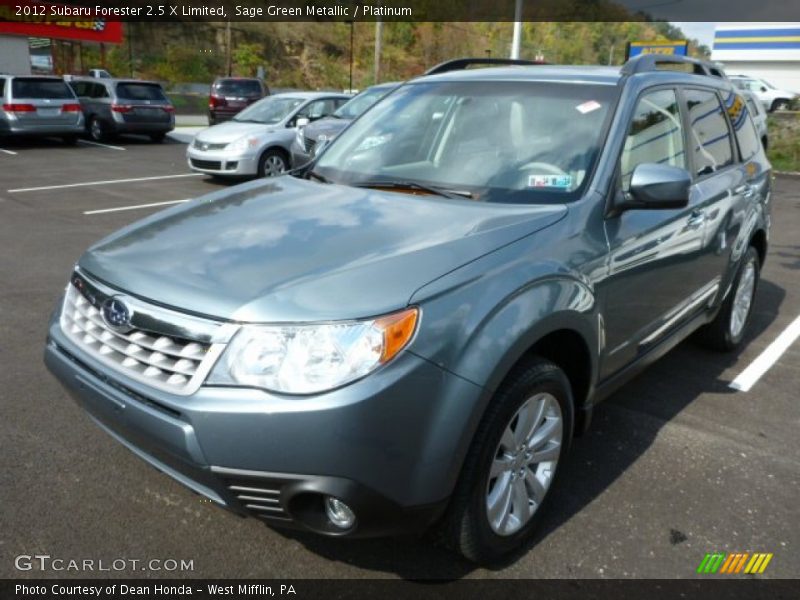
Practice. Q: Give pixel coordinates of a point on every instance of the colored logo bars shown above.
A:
(734, 562)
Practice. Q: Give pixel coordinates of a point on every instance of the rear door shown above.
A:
(734, 191)
(44, 102)
(655, 281)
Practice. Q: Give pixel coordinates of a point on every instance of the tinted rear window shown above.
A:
(22, 87)
(140, 91)
(238, 87)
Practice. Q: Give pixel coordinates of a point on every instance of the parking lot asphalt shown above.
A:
(677, 463)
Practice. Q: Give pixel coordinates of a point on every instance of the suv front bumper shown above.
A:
(390, 445)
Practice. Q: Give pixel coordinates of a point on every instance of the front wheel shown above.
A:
(726, 332)
(512, 464)
(272, 164)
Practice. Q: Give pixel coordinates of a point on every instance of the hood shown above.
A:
(286, 249)
(230, 131)
(329, 127)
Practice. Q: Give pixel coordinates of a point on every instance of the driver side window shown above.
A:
(655, 135)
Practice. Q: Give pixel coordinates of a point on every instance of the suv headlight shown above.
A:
(313, 358)
(243, 144)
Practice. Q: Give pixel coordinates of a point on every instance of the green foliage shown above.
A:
(183, 63)
(247, 57)
(784, 142)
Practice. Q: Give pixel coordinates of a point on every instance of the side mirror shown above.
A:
(763, 88)
(302, 122)
(655, 186)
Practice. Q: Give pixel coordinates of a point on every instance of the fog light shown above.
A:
(339, 513)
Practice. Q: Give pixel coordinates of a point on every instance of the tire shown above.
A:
(466, 527)
(211, 121)
(272, 163)
(98, 130)
(726, 332)
(779, 104)
(70, 140)
(157, 138)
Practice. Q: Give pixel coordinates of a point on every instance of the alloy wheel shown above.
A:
(274, 165)
(524, 464)
(743, 300)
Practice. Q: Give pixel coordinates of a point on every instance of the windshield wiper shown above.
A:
(415, 185)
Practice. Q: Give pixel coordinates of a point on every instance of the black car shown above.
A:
(229, 95)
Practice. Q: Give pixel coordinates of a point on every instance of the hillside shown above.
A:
(316, 55)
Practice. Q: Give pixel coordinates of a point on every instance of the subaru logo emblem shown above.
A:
(116, 315)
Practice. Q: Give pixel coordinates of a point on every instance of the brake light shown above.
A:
(71, 108)
(215, 101)
(168, 108)
(19, 108)
(121, 108)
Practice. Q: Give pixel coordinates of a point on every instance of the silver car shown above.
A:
(41, 106)
(257, 140)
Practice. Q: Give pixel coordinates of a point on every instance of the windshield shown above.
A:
(36, 88)
(238, 87)
(140, 91)
(272, 109)
(519, 142)
(358, 104)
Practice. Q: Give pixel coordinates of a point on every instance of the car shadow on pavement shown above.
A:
(596, 460)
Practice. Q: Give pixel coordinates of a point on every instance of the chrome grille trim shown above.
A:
(175, 355)
(207, 145)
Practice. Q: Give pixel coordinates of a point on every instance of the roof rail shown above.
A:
(462, 63)
(646, 63)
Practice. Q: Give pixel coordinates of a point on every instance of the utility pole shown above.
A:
(228, 47)
(352, 27)
(378, 42)
(517, 37)
(130, 46)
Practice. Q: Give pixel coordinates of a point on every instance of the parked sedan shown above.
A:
(35, 105)
(257, 140)
(328, 128)
(114, 106)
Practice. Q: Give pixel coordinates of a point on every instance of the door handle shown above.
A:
(696, 219)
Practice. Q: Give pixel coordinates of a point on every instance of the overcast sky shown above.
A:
(703, 32)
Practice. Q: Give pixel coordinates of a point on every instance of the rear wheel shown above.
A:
(727, 330)
(780, 104)
(98, 130)
(512, 464)
(272, 164)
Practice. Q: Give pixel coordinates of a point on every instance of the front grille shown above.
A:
(258, 495)
(167, 362)
(309, 144)
(211, 165)
(207, 145)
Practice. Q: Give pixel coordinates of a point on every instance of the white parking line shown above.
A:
(121, 208)
(106, 182)
(748, 378)
(102, 145)
(4, 151)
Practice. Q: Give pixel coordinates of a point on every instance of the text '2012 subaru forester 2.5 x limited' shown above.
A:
(407, 333)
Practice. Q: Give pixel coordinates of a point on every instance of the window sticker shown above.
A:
(562, 182)
(588, 107)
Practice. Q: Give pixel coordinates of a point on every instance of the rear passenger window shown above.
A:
(655, 135)
(709, 130)
(739, 114)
